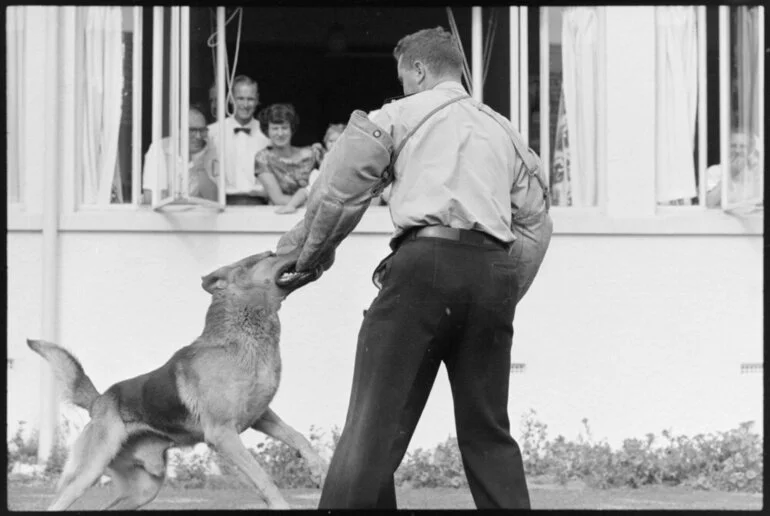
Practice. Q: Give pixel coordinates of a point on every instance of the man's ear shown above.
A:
(421, 70)
(216, 280)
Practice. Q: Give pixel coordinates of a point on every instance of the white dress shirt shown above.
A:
(240, 149)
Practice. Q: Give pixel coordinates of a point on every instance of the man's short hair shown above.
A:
(278, 114)
(436, 48)
(198, 108)
(245, 79)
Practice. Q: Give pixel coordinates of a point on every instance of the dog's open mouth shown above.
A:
(290, 278)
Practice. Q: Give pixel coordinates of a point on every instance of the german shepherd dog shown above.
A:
(210, 391)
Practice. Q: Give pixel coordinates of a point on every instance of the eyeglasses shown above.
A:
(203, 131)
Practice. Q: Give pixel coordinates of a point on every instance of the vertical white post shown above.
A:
(545, 100)
(724, 98)
(13, 74)
(49, 410)
(524, 72)
(157, 90)
(184, 108)
(702, 106)
(221, 94)
(174, 183)
(513, 59)
(601, 109)
(761, 90)
(136, 112)
(477, 67)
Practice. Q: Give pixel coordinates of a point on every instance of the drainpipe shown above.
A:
(477, 67)
(49, 413)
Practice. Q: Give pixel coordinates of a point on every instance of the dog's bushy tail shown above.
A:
(76, 386)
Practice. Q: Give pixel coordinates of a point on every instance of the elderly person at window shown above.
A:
(744, 181)
(201, 163)
(283, 169)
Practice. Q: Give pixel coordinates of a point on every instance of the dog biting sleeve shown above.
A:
(352, 173)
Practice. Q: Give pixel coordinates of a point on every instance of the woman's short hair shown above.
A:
(436, 48)
(278, 114)
(332, 129)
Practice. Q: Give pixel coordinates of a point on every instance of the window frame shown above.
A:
(725, 108)
(177, 193)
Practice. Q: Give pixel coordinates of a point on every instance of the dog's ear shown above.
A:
(216, 280)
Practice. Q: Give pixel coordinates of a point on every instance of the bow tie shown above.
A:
(246, 130)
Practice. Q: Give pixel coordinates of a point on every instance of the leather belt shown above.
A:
(467, 236)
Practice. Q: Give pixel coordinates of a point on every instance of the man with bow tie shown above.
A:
(242, 140)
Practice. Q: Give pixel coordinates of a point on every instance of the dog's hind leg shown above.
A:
(226, 441)
(94, 449)
(276, 428)
(138, 472)
(136, 488)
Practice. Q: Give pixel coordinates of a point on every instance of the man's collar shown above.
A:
(443, 85)
(235, 123)
(449, 85)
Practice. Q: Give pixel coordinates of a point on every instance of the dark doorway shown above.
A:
(326, 61)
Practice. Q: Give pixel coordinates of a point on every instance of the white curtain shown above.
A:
(102, 77)
(676, 106)
(579, 52)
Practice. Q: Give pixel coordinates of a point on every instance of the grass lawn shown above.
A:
(26, 497)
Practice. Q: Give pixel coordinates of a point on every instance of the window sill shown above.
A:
(263, 219)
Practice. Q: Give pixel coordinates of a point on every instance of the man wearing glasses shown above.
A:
(201, 163)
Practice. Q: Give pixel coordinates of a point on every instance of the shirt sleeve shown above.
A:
(384, 117)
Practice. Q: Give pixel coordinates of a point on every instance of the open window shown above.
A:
(565, 49)
(741, 131)
(181, 167)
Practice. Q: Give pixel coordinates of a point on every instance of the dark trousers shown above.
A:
(441, 300)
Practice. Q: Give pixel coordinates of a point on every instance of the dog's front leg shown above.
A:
(227, 442)
(276, 428)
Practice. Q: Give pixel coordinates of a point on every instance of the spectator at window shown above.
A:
(243, 139)
(744, 181)
(201, 163)
(284, 170)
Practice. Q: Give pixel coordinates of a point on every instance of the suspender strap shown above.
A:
(529, 161)
(388, 174)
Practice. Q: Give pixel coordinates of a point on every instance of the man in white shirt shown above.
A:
(242, 140)
(158, 162)
(744, 181)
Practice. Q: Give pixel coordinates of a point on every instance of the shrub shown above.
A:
(730, 461)
(23, 450)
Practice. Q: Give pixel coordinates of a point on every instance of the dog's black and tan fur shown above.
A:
(209, 391)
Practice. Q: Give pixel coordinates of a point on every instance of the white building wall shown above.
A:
(636, 333)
